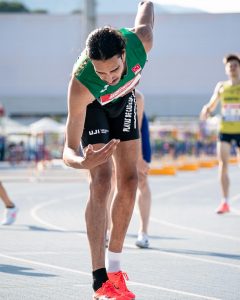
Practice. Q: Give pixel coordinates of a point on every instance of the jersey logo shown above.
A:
(136, 69)
(98, 131)
(105, 88)
(127, 87)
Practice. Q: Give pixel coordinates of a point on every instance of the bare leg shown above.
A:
(144, 202)
(5, 198)
(125, 159)
(11, 210)
(96, 211)
(122, 207)
(110, 198)
(223, 150)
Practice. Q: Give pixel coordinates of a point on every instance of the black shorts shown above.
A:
(229, 138)
(116, 120)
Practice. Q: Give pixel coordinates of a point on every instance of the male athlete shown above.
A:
(102, 114)
(228, 93)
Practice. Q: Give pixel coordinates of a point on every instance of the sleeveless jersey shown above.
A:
(135, 60)
(230, 109)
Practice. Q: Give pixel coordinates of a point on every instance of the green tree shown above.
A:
(12, 7)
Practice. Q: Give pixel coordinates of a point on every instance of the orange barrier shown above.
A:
(207, 163)
(170, 167)
(166, 170)
(233, 160)
(188, 167)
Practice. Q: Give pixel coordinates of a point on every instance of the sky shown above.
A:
(129, 6)
(209, 6)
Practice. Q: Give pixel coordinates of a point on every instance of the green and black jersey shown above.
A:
(135, 60)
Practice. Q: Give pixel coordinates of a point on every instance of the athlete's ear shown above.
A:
(123, 56)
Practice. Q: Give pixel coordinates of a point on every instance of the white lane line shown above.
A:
(169, 224)
(44, 252)
(37, 263)
(189, 257)
(135, 251)
(234, 211)
(183, 189)
(152, 219)
(35, 209)
(45, 204)
(33, 262)
(175, 291)
(235, 198)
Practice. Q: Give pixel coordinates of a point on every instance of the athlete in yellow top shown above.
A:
(228, 94)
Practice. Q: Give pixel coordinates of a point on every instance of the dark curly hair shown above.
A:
(104, 43)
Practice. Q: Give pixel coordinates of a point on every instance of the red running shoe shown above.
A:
(108, 292)
(223, 208)
(118, 280)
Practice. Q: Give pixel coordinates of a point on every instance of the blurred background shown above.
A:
(41, 39)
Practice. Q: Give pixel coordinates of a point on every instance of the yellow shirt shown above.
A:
(230, 108)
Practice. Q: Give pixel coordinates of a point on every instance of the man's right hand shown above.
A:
(94, 158)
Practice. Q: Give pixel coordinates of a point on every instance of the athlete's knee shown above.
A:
(223, 164)
(101, 182)
(129, 181)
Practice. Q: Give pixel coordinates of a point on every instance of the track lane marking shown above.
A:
(37, 263)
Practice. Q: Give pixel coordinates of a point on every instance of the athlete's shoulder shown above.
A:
(81, 64)
(220, 87)
(131, 37)
(78, 94)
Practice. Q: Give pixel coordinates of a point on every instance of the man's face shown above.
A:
(110, 70)
(233, 68)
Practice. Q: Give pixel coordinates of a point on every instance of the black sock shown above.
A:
(99, 277)
(10, 206)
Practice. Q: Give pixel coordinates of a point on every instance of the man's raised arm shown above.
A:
(144, 22)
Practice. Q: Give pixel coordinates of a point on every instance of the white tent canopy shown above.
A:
(47, 125)
(9, 126)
